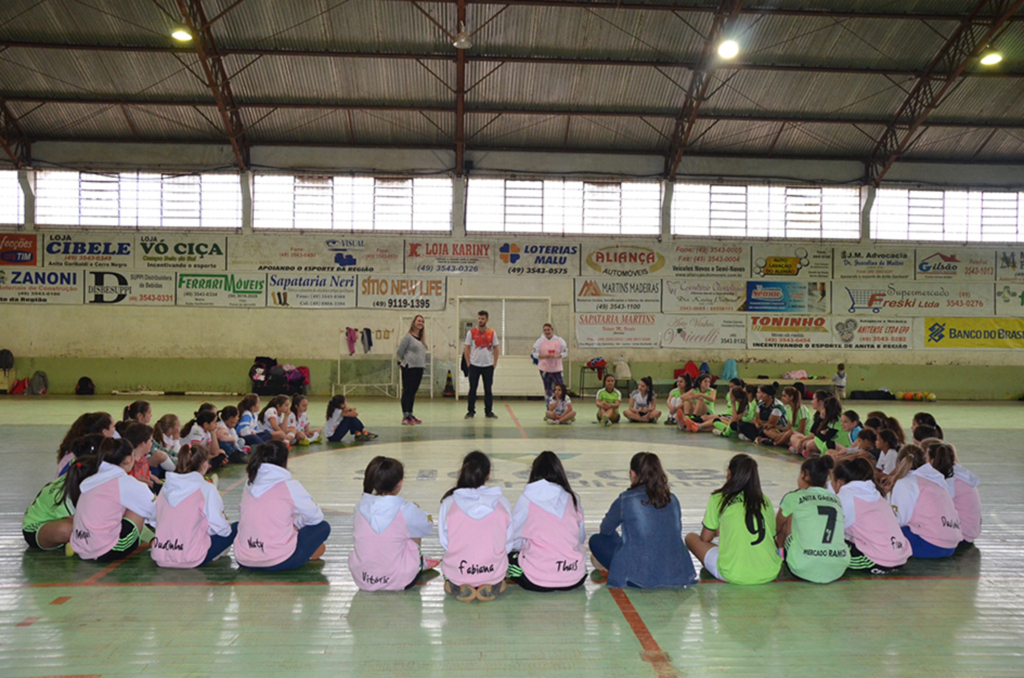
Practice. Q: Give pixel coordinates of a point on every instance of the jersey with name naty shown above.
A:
(817, 550)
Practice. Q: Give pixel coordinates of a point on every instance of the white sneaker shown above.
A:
(744, 438)
(716, 432)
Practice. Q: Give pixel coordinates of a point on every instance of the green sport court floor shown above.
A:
(61, 616)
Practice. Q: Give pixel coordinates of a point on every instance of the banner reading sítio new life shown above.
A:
(618, 330)
(392, 292)
(974, 333)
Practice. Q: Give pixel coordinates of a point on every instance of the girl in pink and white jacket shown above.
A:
(110, 505)
(280, 527)
(387, 532)
(475, 528)
(924, 509)
(876, 542)
(962, 486)
(191, 528)
(548, 536)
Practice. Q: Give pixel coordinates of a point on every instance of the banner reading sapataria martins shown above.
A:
(618, 330)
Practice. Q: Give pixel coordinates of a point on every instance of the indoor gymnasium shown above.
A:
(649, 338)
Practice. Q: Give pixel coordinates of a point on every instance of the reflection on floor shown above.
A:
(61, 616)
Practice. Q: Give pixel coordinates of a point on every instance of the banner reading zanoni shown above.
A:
(974, 333)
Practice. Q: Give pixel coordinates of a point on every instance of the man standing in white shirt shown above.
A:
(549, 351)
(481, 353)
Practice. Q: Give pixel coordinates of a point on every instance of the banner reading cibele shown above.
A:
(390, 292)
(89, 249)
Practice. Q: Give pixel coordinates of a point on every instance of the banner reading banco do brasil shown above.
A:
(974, 333)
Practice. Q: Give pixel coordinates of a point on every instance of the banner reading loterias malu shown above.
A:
(974, 333)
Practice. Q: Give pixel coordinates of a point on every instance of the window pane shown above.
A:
(947, 216)
(12, 202)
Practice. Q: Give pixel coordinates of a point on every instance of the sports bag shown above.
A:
(39, 383)
(85, 387)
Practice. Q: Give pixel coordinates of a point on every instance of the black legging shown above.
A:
(411, 377)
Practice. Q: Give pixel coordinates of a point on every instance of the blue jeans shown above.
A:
(219, 544)
(925, 549)
(345, 426)
(604, 546)
(310, 539)
(254, 439)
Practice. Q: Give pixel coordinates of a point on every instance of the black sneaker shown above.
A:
(469, 415)
(238, 458)
(491, 415)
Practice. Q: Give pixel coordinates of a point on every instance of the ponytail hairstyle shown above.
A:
(202, 417)
(473, 473)
(700, 378)
(768, 390)
(889, 438)
(296, 401)
(833, 410)
(207, 407)
(853, 416)
(228, 412)
(925, 419)
(547, 466)
(651, 476)
(751, 392)
(100, 423)
(248, 402)
(80, 427)
(78, 471)
(736, 381)
(743, 481)
(191, 459)
(942, 458)
(382, 475)
(113, 451)
(687, 382)
(164, 425)
(874, 423)
(278, 403)
(740, 399)
(854, 469)
(649, 383)
(817, 470)
(135, 410)
(796, 401)
(88, 446)
(137, 433)
(910, 457)
(336, 403)
(272, 452)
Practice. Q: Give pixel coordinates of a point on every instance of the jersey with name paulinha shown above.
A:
(817, 550)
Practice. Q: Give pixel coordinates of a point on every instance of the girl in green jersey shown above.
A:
(809, 526)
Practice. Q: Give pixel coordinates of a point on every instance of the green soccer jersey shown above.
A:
(711, 404)
(603, 396)
(44, 509)
(816, 549)
(746, 549)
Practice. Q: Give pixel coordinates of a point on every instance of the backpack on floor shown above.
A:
(6, 360)
(19, 387)
(39, 383)
(85, 387)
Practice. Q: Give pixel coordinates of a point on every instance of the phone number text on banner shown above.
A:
(32, 286)
(618, 330)
(704, 331)
(874, 333)
(912, 299)
(788, 331)
(398, 292)
(601, 295)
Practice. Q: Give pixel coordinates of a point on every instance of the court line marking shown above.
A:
(653, 654)
(60, 601)
(28, 621)
(516, 422)
(113, 566)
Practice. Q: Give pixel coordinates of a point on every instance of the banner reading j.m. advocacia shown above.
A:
(974, 333)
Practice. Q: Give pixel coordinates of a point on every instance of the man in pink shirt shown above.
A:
(548, 351)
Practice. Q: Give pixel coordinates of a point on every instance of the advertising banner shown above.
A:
(874, 333)
(788, 331)
(618, 330)
(974, 333)
(791, 261)
(90, 250)
(222, 290)
(600, 295)
(181, 252)
(703, 296)
(1009, 300)
(311, 290)
(448, 257)
(705, 331)
(955, 264)
(1010, 265)
(770, 296)
(910, 299)
(399, 292)
(623, 261)
(33, 286)
(323, 255)
(129, 288)
(870, 263)
(708, 261)
(535, 258)
(19, 249)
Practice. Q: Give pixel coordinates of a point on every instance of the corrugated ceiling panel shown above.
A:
(361, 127)
(521, 131)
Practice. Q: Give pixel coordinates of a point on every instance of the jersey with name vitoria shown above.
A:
(817, 550)
(746, 549)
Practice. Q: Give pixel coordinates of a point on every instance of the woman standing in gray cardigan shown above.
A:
(412, 354)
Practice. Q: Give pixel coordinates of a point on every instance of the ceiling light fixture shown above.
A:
(181, 34)
(990, 57)
(728, 49)
(462, 40)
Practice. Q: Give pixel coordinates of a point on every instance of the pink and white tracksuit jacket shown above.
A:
(274, 507)
(475, 528)
(922, 503)
(106, 495)
(384, 556)
(188, 510)
(871, 525)
(548, 532)
(963, 486)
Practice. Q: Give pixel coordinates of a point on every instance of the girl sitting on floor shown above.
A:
(698, 403)
(343, 419)
(923, 506)
(298, 421)
(272, 418)
(48, 520)
(248, 427)
(560, 407)
(643, 403)
(809, 525)
(872, 533)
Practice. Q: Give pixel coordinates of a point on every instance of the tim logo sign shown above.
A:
(17, 249)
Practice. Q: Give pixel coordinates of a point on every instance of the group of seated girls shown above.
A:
(689, 405)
